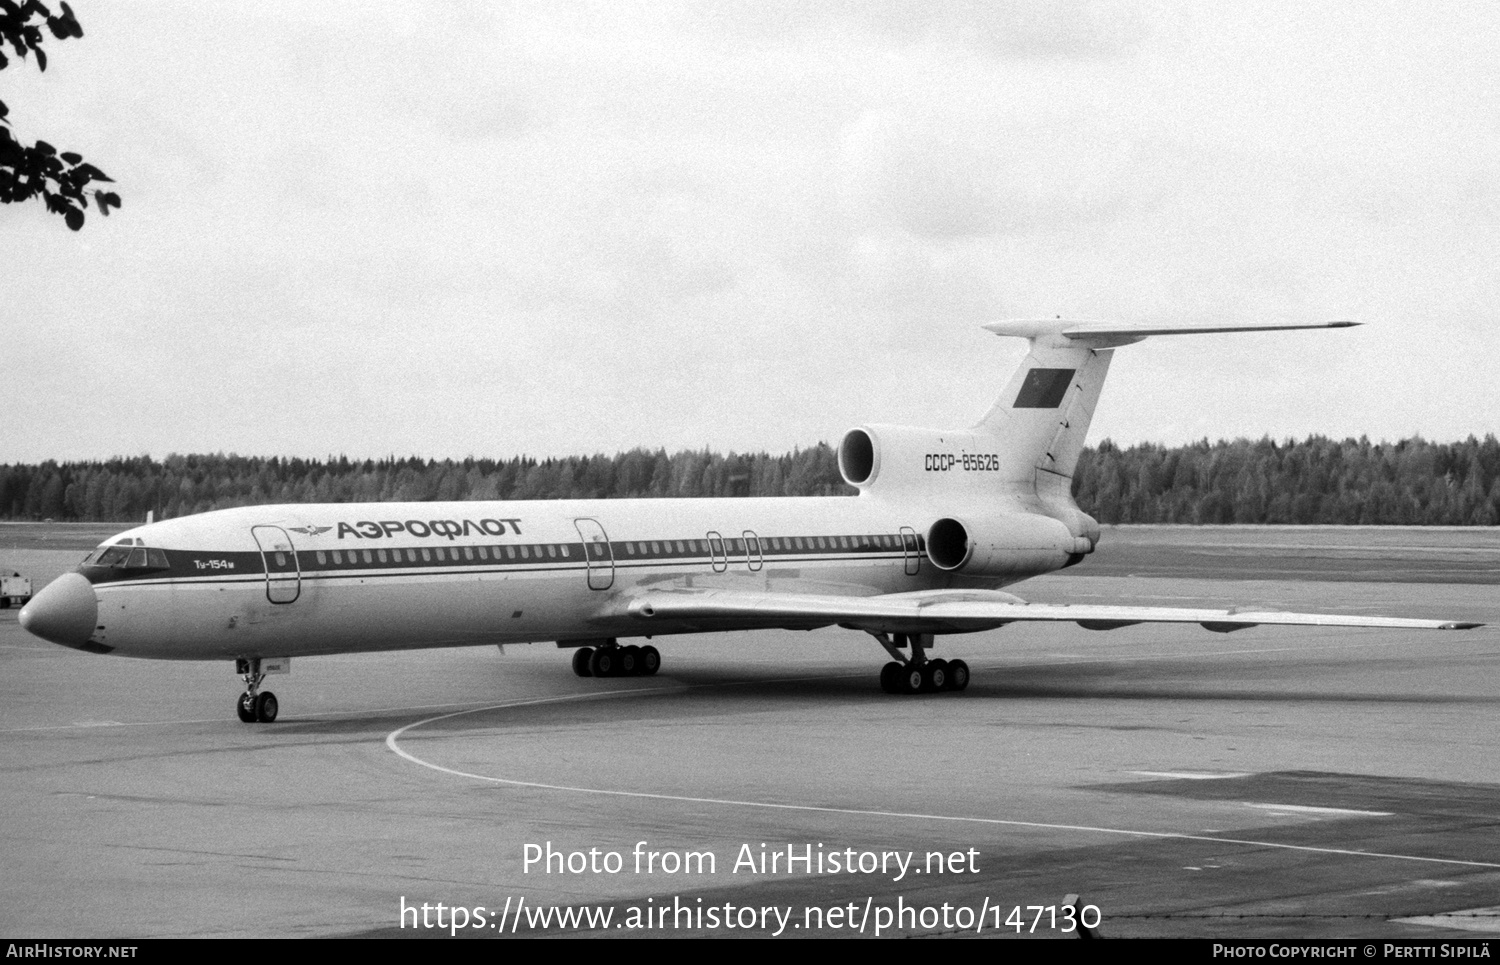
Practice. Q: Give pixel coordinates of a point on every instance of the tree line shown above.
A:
(125, 489)
(1317, 480)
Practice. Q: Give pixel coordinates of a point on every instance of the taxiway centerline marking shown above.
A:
(1194, 775)
(1331, 812)
(392, 742)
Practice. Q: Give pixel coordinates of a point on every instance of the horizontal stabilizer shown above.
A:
(1111, 335)
(960, 611)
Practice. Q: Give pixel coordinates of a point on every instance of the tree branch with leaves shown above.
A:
(60, 178)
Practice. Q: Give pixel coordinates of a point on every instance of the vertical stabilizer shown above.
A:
(1042, 417)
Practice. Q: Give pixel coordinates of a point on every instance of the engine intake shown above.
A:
(857, 460)
(1011, 545)
(948, 544)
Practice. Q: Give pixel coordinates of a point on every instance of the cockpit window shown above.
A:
(128, 554)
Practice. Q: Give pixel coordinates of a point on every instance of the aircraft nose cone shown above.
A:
(65, 612)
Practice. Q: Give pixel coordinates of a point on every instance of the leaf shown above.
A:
(41, 58)
(106, 199)
(45, 149)
(74, 218)
(3, 109)
(71, 158)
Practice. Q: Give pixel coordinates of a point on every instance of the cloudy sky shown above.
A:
(551, 228)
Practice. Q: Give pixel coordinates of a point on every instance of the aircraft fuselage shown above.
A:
(337, 578)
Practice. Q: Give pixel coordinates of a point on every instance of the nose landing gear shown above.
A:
(253, 705)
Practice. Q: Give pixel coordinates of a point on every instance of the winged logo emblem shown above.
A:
(310, 530)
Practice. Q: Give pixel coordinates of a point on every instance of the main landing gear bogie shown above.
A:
(933, 677)
(616, 661)
(917, 674)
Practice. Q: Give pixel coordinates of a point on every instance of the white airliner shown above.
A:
(942, 520)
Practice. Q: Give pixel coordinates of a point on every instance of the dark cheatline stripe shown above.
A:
(240, 567)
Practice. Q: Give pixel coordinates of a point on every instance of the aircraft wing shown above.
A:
(957, 611)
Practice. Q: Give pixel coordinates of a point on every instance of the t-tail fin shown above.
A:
(1044, 413)
(1041, 420)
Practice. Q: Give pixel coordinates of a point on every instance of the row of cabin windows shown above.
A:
(773, 544)
(554, 551)
(444, 554)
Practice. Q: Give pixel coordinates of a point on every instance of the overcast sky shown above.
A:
(550, 228)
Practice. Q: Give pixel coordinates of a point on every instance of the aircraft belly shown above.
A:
(209, 621)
